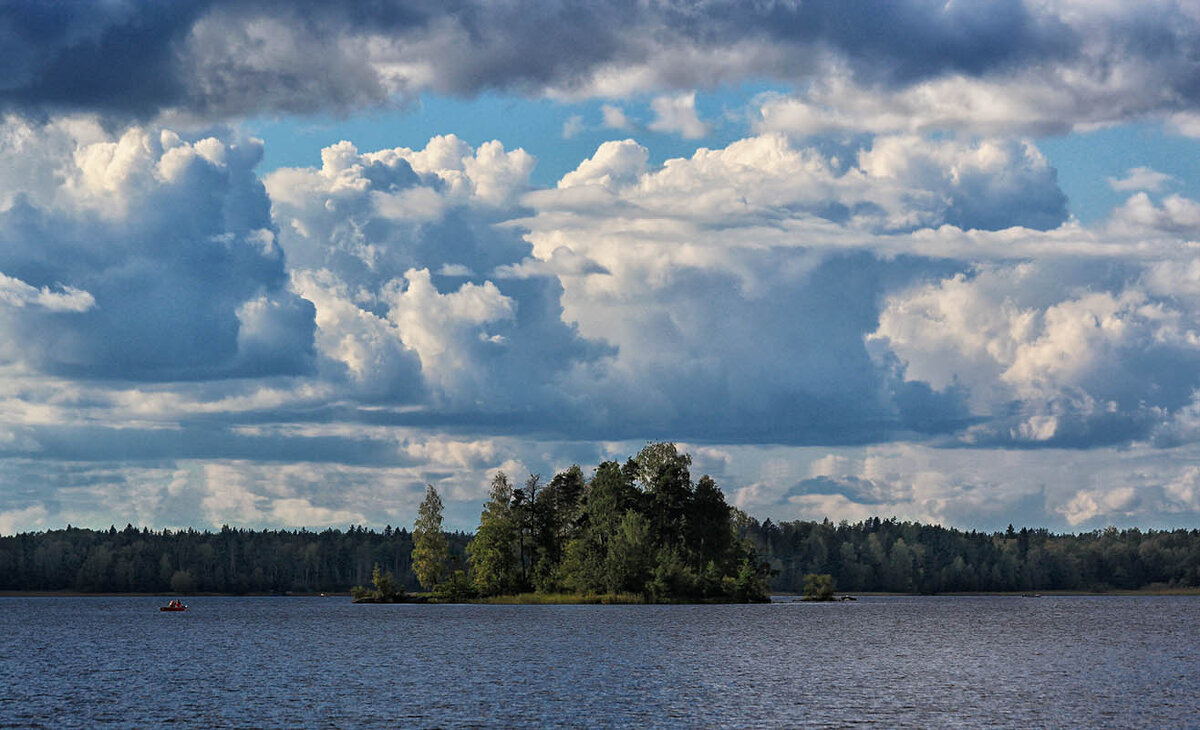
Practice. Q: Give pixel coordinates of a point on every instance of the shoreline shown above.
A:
(586, 600)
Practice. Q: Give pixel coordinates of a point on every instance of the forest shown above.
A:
(642, 528)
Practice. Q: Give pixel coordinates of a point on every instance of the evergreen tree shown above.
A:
(607, 499)
(430, 547)
(708, 528)
(664, 476)
(556, 518)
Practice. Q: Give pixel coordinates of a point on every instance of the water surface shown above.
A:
(916, 662)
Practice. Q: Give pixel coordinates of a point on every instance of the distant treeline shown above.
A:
(873, 555)
(231, 561)
(908, 557)
(641, 528)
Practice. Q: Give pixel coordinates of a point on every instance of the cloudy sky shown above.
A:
(281, 264)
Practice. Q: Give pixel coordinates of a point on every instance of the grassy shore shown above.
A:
(557, 599)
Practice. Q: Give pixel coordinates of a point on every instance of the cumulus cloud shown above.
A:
(143, 256)
(1140, 217)
(975, 488)
(636, 298)
(405, 307)
(1047, 353)
(719, 274)
(771, 190)
(450, 333)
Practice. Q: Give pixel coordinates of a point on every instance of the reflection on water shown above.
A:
(962, 662)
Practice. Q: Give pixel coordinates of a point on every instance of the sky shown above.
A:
(282, 264)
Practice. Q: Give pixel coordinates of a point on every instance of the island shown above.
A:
(638, 532)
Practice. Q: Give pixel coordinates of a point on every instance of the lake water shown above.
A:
(916, 662)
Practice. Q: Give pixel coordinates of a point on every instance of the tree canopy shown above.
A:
(431, 549)
(641, 528)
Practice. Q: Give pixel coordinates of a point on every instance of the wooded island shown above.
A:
(638, 531)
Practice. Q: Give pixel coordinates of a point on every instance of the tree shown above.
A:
(183, 582)
(629, 555)
(526, 519)
(750, 585)
(708, 527)
(818, 587)
(665, 477)
(556, 517)
(430, 547)
(493, 552)
(609, 496)
(385, 584)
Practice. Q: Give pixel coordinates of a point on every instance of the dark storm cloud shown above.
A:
(119, 57)
(892, 41)
(219, 58)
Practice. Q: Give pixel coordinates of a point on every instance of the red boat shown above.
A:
(173, 606)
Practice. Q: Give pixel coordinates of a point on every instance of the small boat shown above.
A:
(173, 606)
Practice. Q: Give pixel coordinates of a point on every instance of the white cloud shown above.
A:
(1030, 334)
(1140, 178)
(376, 273)
(28, 519)
(138, 253)
(449, 332)
(614, 164)
(366, 344)
(677, 115)
(1185, 123)
(1140, 217)
(16, 293)
(615, 117)
(572, 127)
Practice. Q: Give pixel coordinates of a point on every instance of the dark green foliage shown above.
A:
(182, 582)
(231, 561)
(555, 513)
(385, 584)
(641, 528)
(598, 536)
(386, 590)
(888, 555)
(493, 553)
(456, 588)
(818, 587)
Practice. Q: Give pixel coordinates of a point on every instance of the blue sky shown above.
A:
(281, 264)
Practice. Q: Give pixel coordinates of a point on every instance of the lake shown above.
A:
(324, 662)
